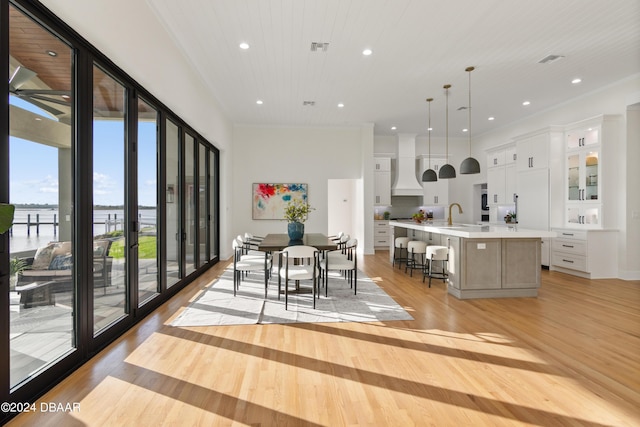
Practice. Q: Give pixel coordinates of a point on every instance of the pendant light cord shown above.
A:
(447, 123)
(429, 130)
(469, 70)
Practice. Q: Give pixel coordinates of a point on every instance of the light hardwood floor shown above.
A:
(569, 357)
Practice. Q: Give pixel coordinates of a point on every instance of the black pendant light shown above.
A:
(447, 171)
(469, 165)
(429, 175)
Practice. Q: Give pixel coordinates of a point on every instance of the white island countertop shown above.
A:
(472, 231)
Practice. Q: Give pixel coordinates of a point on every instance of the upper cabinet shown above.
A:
(382, 181)
(382, 164)
(435, 193)
(532, 152)
(501, 168)
(590, 193)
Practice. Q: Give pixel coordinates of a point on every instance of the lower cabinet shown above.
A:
(586, 253)
(494, 268)
(381, 234)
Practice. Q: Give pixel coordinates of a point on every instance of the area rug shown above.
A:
(216, 305)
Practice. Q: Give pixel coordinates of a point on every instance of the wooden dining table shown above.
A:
(276, 242)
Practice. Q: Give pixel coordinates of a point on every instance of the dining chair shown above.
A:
(244, 263)
(346, 262)
(299, 263)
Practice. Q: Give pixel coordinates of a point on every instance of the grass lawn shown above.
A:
(146, 248)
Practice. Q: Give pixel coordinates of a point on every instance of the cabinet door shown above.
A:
(585, 215)
(382, 164)
(495, 158)
(583, 137)
(583, 175)
(533, 153)
(533, 199)
(495, 185)
(382, 188)
(510, 184)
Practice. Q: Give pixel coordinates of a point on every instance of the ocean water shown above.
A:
(104, 221)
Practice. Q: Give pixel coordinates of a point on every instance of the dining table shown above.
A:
(276, 242)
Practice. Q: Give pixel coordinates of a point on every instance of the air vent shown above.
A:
(308, 103)
(550, 58)
(319, 46)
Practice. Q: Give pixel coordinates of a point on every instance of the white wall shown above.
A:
(302, 155)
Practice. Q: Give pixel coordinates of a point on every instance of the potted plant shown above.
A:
(296, 213)
(16, 266)
(418, 217)
(6, 216)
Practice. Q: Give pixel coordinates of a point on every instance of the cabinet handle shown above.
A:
(435, 199)
(567, 246)
(567, 234)
(515, 157)
(495, 161)
(377, 199)
(495, 198)
(567, 260)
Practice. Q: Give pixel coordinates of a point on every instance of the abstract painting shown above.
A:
(270, 200)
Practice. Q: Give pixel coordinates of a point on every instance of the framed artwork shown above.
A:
(270, 200)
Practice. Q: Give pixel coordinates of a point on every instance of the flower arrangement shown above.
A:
(297, 211)
(418, 217)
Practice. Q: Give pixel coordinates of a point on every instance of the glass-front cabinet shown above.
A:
(583, 192)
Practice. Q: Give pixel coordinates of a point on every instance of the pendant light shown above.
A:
(447, 171)
(469, 165)
(429, 175)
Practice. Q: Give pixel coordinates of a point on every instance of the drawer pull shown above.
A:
(567, 260)
(567, 234)
(567, 246)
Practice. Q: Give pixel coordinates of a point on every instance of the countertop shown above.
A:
(472, 231)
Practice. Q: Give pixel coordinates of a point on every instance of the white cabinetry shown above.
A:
(590, 193)
(381, 234)
(501, 175)
(435, 193)
(382, 181)
(586, 253)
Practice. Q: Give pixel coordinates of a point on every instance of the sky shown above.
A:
(33, 167)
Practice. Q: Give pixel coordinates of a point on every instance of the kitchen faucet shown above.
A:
(459, 210)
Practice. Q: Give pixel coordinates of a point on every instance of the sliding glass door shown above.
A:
(110, 240)
(42, 286)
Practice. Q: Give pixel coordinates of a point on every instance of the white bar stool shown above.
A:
(436, 253)
(400, 244)
(415, 248)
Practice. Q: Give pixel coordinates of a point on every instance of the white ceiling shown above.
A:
(418, 46)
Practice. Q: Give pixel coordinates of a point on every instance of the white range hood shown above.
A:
(406, 183)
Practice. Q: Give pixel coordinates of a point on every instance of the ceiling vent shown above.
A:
(319, 46)
(308, 103)
(550, 58)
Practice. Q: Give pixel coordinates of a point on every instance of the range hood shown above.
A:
(406, 183)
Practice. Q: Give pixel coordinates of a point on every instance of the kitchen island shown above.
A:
(485, 261)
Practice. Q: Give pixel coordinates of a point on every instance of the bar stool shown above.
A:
(436, 253)
(400, 244)
(416, 247)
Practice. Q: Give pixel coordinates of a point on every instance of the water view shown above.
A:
(44, 226)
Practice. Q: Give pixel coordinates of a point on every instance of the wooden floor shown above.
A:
(569, 357)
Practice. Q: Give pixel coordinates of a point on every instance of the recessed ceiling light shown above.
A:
(576, 81)
(465, 130)
(259, 102)
(393, 128)
(367, 52)
(341, 105)
(244, 46)
(430, 129)
(491, 118)
(525, 103)
(52, 53)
